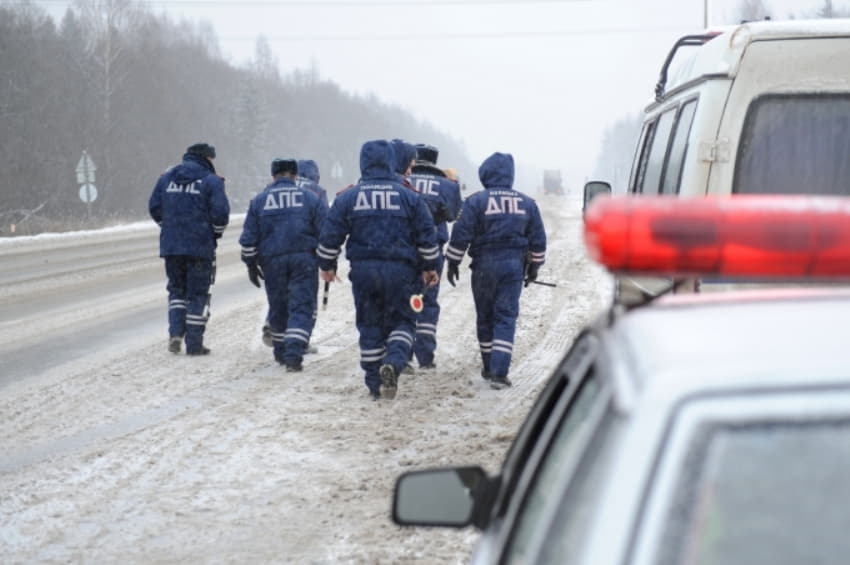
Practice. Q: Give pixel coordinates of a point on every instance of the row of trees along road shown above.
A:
(134, 89)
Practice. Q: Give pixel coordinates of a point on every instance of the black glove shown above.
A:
(255, 273)
(531, 273)
(453, 273)
(329, 269)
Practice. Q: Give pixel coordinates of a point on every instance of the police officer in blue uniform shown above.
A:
(442, 195)
(506, 238)
(392, 249)
(405, 157)
(308, 177)
(279, 239)
(189, 204)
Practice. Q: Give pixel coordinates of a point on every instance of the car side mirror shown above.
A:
(593, 189)
(438, 497)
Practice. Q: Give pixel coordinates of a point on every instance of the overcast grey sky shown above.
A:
(537, 78)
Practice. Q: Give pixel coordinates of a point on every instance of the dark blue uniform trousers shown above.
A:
(426, 323)
(292, 283)
(384, 318)
(496, 288)
(189, 280)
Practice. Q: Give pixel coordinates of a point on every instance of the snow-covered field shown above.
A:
(131, 454)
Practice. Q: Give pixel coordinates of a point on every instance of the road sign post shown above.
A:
(85, 177)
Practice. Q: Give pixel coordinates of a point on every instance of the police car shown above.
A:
(694, 428)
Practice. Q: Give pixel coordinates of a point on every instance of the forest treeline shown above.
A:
(133, 89)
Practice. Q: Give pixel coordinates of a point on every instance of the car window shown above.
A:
(765, 492)
(678, 149)
(558, 391)
(794, 144)
(559, 461)
(567, 530)
(651, 182)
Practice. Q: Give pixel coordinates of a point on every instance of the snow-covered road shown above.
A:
(124, 452)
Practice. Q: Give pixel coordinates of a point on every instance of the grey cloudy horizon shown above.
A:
(540, 79)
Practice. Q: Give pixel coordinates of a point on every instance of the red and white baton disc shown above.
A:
(416, 303)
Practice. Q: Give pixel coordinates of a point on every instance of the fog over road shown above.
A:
(113, 449)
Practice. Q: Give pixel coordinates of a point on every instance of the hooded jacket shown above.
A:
(441, 194)
(281, 220)
(308, 177)
(498, 223)
(189, 204)
(383, 220)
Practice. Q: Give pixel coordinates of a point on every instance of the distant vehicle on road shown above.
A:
(694, 428)
(552, 182)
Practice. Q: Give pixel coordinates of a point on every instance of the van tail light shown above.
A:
(741, 236)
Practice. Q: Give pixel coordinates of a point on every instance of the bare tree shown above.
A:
(753, 10)
(614, 162)
(828, 10)
(107, 25)
(265, 65)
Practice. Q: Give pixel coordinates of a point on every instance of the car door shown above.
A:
(544, 451)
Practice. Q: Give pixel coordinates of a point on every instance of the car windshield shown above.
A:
(763, 492)
(795, 144)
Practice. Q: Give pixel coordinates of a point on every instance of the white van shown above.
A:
(762, 107)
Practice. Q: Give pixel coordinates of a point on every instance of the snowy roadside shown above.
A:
(144, 457)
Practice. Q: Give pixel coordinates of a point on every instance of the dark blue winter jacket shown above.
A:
(308, 177)
(441, 194)
(383, 220)
(499, 222)
(282, 219)
(405, 153)
(190, 206)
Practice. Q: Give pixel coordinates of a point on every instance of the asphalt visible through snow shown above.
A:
(113, 449)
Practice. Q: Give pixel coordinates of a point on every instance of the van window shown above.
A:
(794, 144)
(639, 166)
(678, 149)
(651, 178)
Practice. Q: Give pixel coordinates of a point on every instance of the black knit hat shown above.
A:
(283, 166)
(202, 150)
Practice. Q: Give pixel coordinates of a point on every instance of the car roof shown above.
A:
(721, 56)
(688, 345)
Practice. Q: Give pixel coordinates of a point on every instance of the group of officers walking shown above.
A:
(394, 224)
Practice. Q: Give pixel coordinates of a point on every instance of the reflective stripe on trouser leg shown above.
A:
(505, 312)
(382, 292)
(398, 348)
(425, 344)
(175, 270)
(303, 288)
(275, 271)
(198, 272)
(486, 349)
(496, 289)
(177, 317)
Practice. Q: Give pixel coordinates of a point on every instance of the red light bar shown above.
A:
(757, 236)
